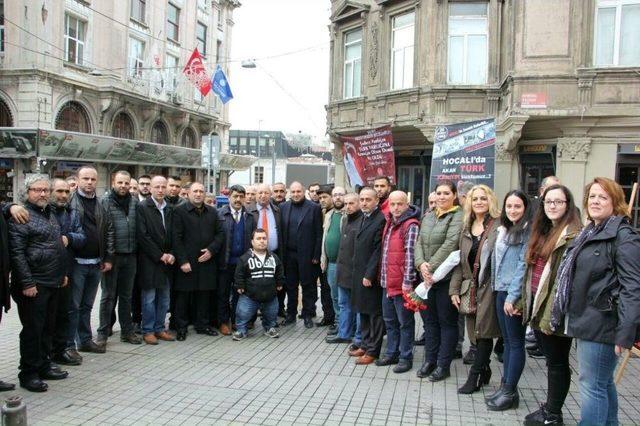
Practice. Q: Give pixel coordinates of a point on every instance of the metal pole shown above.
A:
(273, 163)
(210, 163)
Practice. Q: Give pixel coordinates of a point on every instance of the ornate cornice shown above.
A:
(574, 148)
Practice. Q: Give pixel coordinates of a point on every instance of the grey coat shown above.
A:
(124, 225)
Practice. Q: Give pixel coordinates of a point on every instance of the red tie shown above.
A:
(265, 222)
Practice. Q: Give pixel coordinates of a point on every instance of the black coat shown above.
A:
(604, 304)
(192, 232)
(226, 222)
(344, 263)
(366, 262)
(153, 242)
(5, 262)
(38, 255)
(308, 231)
(277, 214)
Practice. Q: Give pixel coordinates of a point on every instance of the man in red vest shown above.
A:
(398, 276)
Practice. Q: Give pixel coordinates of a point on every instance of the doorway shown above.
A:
(411, 179)
(627, 175)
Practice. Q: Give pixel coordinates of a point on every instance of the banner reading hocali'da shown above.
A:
(369, 155)
(464, 152)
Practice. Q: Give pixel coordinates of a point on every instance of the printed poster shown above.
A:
(369, 155)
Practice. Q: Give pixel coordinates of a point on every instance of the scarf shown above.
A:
(567, 266)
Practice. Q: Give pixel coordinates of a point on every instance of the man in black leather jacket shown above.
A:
(38, 261)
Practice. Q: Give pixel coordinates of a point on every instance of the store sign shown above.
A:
(628, 149)
(369, 155)
(464, 152)
(536, 149)
(533, 100)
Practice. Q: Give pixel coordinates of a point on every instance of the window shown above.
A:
(233, 145)
(220, 18)
(218, 52)
(6, 119)
(468, 35)
(136, 57)
(1, 26)
(123, 126)
(617, 38)
(159, 133)
(402, 40)
(138, 8)
(172, 73)
(201, 37)
(173, 23)
(258, 174)
(265, 147)
(189, 138)
(74, 37)
(73, 118)
(352, 63)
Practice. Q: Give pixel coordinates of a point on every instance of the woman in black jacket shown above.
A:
(598, 297)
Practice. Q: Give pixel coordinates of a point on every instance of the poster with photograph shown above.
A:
(464, 152)
(369, 155)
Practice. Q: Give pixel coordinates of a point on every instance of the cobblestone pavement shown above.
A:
(296, 379)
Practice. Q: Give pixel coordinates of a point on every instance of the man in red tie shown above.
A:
(266, 216)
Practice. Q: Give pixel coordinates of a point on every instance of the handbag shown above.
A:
(469, 287)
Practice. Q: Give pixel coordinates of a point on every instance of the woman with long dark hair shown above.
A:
(438, 238)
(598, 297)
(508, 272)
(555, 225)
(472, 279)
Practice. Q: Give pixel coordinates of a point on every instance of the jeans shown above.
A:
(400, 325)
(596, 364)
(332, 279)
(247, 308)
(84, 287)
(118, 282)
(513, 334)
(440, 326)
(349, 321)
(556, 350)
(37, 315)
(155, 304)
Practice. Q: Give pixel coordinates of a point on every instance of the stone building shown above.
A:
(103, 80)
(561, 78)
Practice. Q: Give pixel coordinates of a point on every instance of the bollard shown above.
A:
(14, 412)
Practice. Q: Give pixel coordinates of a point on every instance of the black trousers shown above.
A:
(223, 295)
(440, 326)
(61, 331)
(483, 355)
(136, 304)
(372, 328)
(183, 311)
(38, 317)
(556, 351)
(325, 298)
(293, 269)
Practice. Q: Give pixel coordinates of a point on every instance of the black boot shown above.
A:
(426, 369)
(508, 399)
(495, 394)
(472, 384)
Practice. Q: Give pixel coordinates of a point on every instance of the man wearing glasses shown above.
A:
(38, 261)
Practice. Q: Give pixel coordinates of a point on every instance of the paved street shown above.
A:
(296, 379)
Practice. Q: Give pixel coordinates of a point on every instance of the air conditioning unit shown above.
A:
(176, 98)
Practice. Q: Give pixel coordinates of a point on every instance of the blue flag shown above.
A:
(220, 85)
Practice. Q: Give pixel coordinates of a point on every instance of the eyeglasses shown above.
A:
(554, 202)
(40, 190)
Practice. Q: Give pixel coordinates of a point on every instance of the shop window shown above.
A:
(73, 118)
(628, 173)
(189, 138)
(123, 126)
(5, 115)
(159, 133)
(468, 35)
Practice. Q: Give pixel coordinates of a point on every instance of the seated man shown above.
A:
(259, 275)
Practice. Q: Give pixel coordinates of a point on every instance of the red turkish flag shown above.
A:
(196, 73)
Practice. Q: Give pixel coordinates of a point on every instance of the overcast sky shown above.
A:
(288, 89)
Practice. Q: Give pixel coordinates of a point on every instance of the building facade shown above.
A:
(103, 82)
(561, 78)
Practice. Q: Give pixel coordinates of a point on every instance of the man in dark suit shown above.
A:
(197, 239)
(266, 215)
(237, 225)
(154, 219)
(302, 224)
(366, 296)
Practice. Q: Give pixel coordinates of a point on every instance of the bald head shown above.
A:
(158, 188)
(351, 203)
(296, 189)
(398, 203)
(337, 196)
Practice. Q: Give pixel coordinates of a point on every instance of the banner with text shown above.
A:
(464, 152)
(369, 155)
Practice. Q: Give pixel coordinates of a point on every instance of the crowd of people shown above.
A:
(157, 246)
